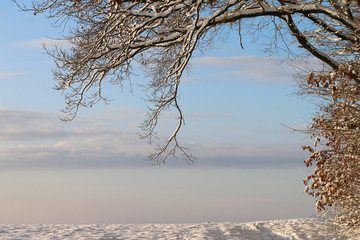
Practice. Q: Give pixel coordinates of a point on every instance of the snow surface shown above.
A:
(304, 228)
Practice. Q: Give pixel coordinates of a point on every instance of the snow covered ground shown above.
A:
(304, 228)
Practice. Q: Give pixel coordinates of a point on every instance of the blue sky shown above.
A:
(92, 170)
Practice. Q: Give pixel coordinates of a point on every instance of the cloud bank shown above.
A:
(39, 140)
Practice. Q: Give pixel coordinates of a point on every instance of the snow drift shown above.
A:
(295, 229)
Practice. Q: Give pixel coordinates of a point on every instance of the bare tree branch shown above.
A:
(108, 37)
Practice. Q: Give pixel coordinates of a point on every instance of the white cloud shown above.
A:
(48, 42)
(244, 150)
(24, 119)
(249, 155)
(34, 139)
(226, 61)
(101, 150)
(210, 115)
(244, 68)
(121, 113)
(11, 74)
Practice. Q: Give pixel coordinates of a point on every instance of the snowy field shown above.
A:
(305, 228)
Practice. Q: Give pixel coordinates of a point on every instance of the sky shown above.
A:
(235, 102)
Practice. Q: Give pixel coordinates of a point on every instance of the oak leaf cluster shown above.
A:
(335, 155)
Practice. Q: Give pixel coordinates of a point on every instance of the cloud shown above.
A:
(34, 139)
(210, 115)
(39, 140)
(121, 113)
(251, 68)
(19, 119)
(30, 135)
(102, 149)
(48, 42)
(249, 155)
(11, 74)
(126, 151)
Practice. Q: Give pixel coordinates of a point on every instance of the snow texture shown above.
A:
(304, 228)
